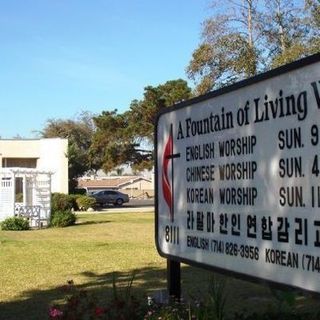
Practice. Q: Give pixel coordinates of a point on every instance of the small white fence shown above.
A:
(27, 193)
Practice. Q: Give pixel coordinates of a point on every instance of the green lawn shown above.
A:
(34, 265)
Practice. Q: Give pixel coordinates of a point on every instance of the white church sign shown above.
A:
(238, 178)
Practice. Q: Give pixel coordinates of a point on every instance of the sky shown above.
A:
(61, 57)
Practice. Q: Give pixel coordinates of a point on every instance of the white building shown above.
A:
(32, 202)
(41, 154)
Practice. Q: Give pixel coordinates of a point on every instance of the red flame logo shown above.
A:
(166, 186)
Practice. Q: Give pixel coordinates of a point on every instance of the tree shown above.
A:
(128, 138)
(111, 144)
(285, 31)
(228, 51)
(251, 36)
(142, 115)
(313, 9)
(79, 133)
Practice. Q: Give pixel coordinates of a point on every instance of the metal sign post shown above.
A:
(173, 279)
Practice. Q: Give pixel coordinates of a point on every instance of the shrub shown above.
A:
(15, 224)
(72, 199)
(85, 202)
(62, 219)
(61, 202)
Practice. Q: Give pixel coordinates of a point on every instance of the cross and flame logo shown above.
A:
(167, 164)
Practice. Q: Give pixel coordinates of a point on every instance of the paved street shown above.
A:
(139, 203)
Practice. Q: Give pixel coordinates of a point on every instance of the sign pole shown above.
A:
(173, 279)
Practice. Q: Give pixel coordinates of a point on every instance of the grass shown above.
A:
(34, 265)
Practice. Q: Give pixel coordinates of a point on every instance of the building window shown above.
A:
(19, 162)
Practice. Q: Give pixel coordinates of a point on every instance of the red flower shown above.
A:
(99, 311)
(55, 313)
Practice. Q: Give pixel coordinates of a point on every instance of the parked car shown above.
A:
(114, 197)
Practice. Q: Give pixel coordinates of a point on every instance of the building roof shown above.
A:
(109, 182)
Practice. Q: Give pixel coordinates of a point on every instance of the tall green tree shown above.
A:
(247, 37)
(111, 145)
(313, 9)
(142, 115)
(286, 31)
(79, 133)
(128, 138)
(228, 50)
